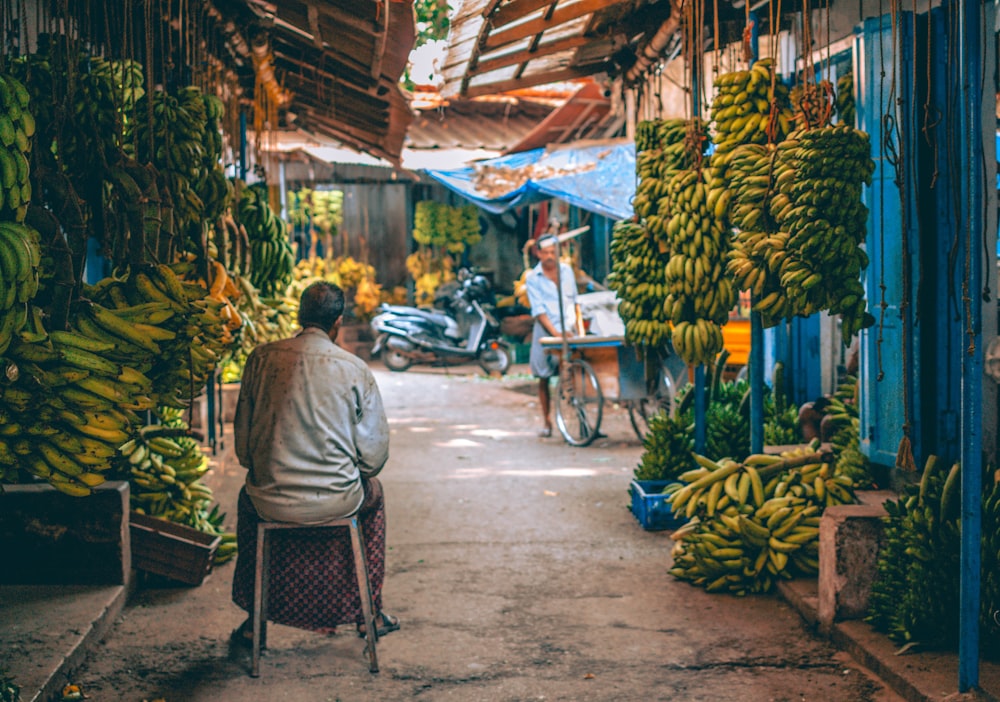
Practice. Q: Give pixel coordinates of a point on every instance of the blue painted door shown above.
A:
(887, 387)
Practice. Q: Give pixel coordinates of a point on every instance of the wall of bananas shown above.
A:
(124, 144)
(822, 185)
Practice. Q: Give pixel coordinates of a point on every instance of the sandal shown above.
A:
(545, 433)
(242, 636)
(388, 624)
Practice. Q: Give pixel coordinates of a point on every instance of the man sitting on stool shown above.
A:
(312, 433)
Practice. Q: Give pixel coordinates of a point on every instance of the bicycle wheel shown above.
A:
(579, 403)
(659, 399)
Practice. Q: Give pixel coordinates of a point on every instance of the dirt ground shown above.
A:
(518, 574)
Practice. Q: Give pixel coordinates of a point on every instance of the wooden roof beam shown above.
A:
(540, 24)
(563, 74)
(515, 57)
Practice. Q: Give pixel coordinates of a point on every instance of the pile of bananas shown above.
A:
(69, 406)
(266, 318)
(429, 272)
(165, 467)
(802, 223)
(668, 448)
(915, 593)
(174, 142)
(699, 295)
(20, 257)
(180, 327)
(751, 523)
(17, 127)
(667, 147)
(354, 277)
(638, 277)
(846, 109)
(272, 260)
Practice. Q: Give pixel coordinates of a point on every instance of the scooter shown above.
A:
(462, 329)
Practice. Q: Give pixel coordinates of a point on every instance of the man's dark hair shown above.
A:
(321, 305)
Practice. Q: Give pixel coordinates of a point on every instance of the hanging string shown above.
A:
(987, 256)
(883, 305)
(904, 453)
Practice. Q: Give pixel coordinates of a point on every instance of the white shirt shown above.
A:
(309, 423)
(544, 297)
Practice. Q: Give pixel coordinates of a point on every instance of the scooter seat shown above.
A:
(437, 318)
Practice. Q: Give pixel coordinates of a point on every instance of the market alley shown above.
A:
(517, 571)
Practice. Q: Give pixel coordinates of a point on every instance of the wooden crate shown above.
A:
(172, 550)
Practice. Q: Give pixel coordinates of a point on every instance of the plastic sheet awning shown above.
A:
(597, 176)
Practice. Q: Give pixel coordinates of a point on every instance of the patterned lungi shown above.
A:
(313, 584)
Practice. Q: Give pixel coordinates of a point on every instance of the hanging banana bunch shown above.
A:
(846, 109)
(700, 295)
(175, 144)
(272, 261)
(638, 277)
(663, 147)
(20, 258)
(17, 127)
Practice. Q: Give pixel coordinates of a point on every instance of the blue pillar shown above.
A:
(970, 138)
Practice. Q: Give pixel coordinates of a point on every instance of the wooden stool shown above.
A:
(261, 577)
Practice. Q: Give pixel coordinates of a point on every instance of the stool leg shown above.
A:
(365, 593)
(259, 578)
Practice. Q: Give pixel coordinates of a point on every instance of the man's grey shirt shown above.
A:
(309, 423)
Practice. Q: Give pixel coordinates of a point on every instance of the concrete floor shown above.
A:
(518, 573)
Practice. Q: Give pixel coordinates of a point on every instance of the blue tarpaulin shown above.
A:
(595, 176)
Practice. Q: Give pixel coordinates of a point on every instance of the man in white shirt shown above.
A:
(549, 283)
(312, 433)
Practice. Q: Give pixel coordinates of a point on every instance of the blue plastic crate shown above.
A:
(650, 506)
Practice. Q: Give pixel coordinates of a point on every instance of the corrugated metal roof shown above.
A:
(475, 124)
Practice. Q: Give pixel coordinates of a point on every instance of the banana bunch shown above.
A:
(174, 142)
(819, 175)
(229, 243)
(668, 448)
(846, 110)
(727, 431)
(699, 294)
(429, 272)
(801, 225)
(813, 104)
(266, 319)
(20, 258)
(214, 189)
(749, 107)
(98, 91)
(354, 277)
(752, 522)
(271, 257)
(521, 285)
(174, 321)
(638, 277)
(914, 596)
(165, 467)
(17, 127)
(842, 414)
(452, 228)
(676, 146)
(70, 406)
(990, 625)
